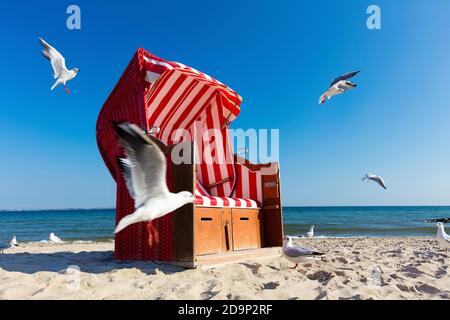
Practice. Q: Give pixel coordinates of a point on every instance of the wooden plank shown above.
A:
(257, 167)
(246, 229)
(273, 227)
(238, 256)
(183, 219)
(273, 213)
(208, 231)
(271, 193)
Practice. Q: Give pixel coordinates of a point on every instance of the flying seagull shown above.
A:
(298, 254)
(58, 62)
(144, 170)
(338, 86)
(372, 177)
(13, 242)
(442, 237)
(54, 238)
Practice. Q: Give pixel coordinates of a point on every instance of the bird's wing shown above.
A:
(298, 252)
(380, 181)
(146, 165)
(125, 166)
(332, 91)
(346, 85)
(446, 236)
(56, 59)
(344, 77)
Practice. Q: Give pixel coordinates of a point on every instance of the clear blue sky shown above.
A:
(279, 55)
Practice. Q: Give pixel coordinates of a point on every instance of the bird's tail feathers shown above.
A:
(55, 85)
(127, 221)
(322, 99)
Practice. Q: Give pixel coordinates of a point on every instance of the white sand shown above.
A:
(396, 268)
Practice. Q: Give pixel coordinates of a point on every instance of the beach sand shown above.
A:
(382, 268)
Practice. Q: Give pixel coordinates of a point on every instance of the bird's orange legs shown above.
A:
(153, 235)
(67, 89)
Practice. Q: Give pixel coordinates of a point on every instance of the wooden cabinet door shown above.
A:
(208, 231)
(246, 229)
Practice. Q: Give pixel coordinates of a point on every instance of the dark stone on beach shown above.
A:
(321, 295)
(411, 271)
(357, 297)
(440, 273)
(253, 267)
(405, 288)
(271, 285)
(321, 276)
(425, 288)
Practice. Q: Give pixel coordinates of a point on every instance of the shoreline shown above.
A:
(352, 268)
(45, 243)
(111, 240)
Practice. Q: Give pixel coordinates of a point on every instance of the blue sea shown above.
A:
(98, 225)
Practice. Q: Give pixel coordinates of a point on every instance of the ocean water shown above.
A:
(98, 225)
(363, 221)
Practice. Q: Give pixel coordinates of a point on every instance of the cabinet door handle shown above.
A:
(227, 236)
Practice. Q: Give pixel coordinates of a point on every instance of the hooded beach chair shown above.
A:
(237, 211)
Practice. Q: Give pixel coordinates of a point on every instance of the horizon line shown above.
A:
(289, 206)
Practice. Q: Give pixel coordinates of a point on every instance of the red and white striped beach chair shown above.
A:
(237, 211)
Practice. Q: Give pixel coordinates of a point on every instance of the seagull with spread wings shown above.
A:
(338, 86)
(373, 177)
(58, 62)
(144, 170)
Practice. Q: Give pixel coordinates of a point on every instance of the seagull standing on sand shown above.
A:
(373, 177)
(310, 233)
(442, 237)
(13, 242)
(338, 86)
(54, 238)
(58, 62)
(144, 170)
(298, 254)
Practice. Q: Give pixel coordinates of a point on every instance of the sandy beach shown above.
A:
(382, 268)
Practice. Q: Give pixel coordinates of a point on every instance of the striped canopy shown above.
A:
(180, 97)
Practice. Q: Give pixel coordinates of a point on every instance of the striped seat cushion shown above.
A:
(203, 199)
